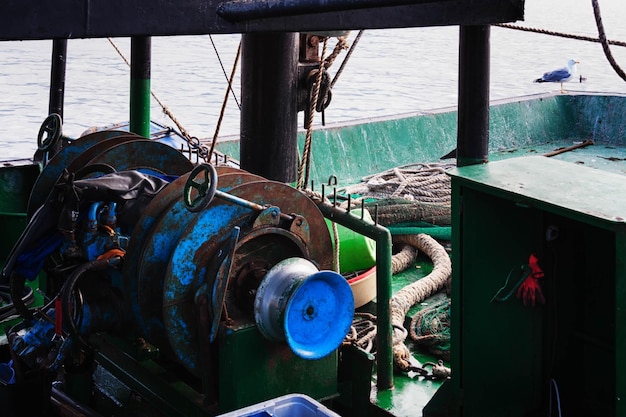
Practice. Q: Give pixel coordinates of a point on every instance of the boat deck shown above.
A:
(576, 123)
(604, 156)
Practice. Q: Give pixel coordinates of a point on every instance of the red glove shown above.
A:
(530, 290)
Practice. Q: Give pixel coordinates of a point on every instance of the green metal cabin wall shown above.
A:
(15, 185)
(506, 354)
(501, 352)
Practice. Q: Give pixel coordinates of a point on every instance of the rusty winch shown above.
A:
(223, 274)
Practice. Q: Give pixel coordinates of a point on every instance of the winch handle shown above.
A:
(205, 188)
(52, 127)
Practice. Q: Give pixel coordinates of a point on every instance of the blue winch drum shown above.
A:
(311, 310)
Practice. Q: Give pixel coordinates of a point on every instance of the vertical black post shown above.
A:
(140, 62)
(473, 122)
(57, 77)
(269, 115)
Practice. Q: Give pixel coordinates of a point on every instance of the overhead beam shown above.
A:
(44, 19)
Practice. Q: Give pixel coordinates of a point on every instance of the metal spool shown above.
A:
(311, 310)
(152, 243)
(54, 168)
(145, 155)
(208, 260)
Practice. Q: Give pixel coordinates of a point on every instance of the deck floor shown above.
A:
(599, 155)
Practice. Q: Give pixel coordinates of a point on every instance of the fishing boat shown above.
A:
(147, 273)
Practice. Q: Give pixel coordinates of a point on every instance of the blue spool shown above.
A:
(309, 309)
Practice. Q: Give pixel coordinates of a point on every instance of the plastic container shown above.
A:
(290, 405)
(363, 287)
(356, 252)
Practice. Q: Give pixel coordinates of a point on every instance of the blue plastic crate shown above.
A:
(291, 405)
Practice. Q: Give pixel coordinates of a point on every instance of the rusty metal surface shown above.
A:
(186, 270)
(291, 201)
(154, 239)
(192, 265)
(144, 155)
(54, 168)
(157, 208)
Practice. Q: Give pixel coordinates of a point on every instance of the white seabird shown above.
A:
(560, 75)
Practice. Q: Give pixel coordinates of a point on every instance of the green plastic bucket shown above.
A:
(356, 252)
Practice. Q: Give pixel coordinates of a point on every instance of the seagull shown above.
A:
(560, 75)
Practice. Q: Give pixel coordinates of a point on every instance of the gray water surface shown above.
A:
(390, 72)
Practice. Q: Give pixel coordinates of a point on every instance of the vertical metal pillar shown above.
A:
(57, 77)
(269, 115)
(473, 114)
(140, 62)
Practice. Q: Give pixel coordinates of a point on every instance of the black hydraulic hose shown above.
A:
(25, 298)
(72, 307)
(72, 311)
(17, 288)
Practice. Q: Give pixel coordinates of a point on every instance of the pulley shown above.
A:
(311, 310)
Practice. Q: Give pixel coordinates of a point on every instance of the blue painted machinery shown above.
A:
(217, 278)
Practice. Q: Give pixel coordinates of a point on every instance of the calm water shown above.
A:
(391, 71)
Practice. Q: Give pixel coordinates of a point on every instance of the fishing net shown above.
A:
(414, 192)
(430, 329)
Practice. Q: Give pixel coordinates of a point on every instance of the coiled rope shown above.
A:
(421, 182)
(417, 292)
(364, 327)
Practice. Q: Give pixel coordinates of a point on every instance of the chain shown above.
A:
(193, 142)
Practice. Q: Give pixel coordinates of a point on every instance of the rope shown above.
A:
(426, 183)
(341, 44)
(417, 292)
(228, 80)
(305, 165)
(223, 110)
(363, 329)
(603, 40)
(559, 34)
(317, 199)
(362, 332)
(392, 211)
(403, 259)
(167, 112)
(348, 55)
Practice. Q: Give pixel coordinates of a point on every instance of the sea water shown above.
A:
(390, 72)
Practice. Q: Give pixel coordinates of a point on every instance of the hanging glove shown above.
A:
(530, 290)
